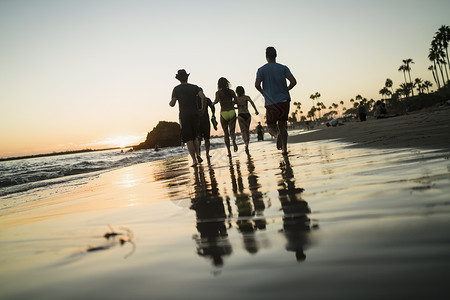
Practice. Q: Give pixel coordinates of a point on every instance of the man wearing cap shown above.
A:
(275, 90)
(186, 95)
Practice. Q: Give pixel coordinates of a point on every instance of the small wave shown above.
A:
(21, 176)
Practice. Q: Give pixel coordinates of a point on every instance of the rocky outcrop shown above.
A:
(165, 134)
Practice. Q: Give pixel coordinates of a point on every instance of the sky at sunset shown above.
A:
(99, 73)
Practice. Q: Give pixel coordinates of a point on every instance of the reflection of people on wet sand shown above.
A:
(257, 196)
(296, 223)
(275, 90)
(186, 95)
(245, 210)
(227, 99)
(260, 132)
(205, 126)
(208, 204)
(244, 116)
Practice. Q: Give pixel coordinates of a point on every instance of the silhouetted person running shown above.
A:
(275, 90)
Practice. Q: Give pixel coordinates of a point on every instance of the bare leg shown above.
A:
(273, 130)
(197, 150)
(192, 151)
(245, 130)
(226, 134)
(282, 127)
(232, 125)
(207, 147)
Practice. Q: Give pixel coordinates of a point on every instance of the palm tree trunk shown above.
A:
(434, 76)
(437, 75)
(446, 73)
(448, 61)
(412, 85)
(442, 74)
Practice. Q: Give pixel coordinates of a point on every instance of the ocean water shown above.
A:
(32, 179)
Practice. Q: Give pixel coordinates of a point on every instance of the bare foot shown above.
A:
(279, 146)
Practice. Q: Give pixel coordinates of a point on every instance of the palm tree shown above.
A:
(431, 68)
(418, 82)
(298, 105)
(312, 113)
(320, 107)
(407, 62)
(444, 63)
(384, 92)
(314, 97)
(427, 84)
(402, 68)
(388, 84)
(443, 35)
(406, 88)
(436, 55)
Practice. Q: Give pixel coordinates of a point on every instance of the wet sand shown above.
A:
(331, 220)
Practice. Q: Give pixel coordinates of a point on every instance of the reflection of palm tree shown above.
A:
(296, 223)
(208, 204)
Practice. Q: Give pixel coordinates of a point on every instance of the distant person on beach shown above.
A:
(205, 126)
(244, 116)
(260, 132)
(186, 95)
(362, 112)
(275, 90)
(377, 110)
(227, 99)
(334, 122)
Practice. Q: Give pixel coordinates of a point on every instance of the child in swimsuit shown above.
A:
(227, 99)
(244, 116)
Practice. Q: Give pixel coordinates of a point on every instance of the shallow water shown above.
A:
(328, 221)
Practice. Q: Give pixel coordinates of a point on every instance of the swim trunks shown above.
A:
(277, 112)
(228, 115)
(189, 126)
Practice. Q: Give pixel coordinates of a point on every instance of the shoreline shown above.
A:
(425, 129)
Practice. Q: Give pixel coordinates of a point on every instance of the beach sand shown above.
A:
(429, 128)
(359, 211)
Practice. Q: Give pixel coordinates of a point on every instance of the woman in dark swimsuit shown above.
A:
(227, 99)
(244, 116)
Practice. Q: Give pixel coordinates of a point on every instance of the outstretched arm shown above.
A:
(211, 106)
